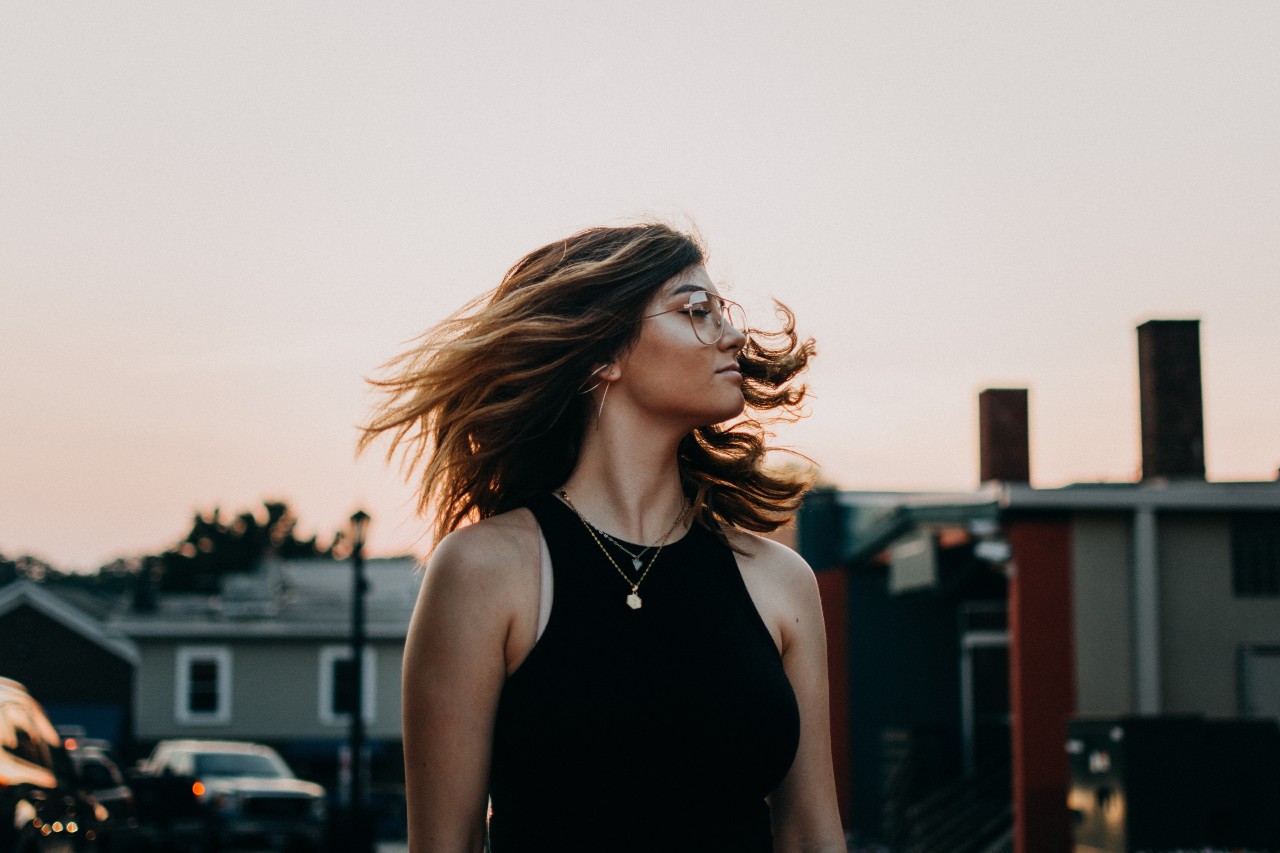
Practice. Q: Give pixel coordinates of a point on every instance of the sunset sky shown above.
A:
(217, 218)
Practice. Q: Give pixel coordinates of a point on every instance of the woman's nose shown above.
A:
(733, 337)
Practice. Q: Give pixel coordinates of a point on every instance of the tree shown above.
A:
(25, 566)
(212, 549)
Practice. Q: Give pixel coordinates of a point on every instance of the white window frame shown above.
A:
(369, 682)
(187, 655)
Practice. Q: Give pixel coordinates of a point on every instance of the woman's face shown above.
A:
(671, 374)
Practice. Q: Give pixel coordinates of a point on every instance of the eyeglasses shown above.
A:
(709, 314)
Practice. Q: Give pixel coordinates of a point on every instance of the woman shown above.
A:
(605, 659)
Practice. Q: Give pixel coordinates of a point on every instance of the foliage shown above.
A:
(115, 577)
(25, 566)
(213, 549)
(195, 563)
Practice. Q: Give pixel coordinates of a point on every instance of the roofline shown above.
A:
(1176, 495)
(68, 615)
(986, 494)
(906, 510)
(1170, 495)
(186, 630)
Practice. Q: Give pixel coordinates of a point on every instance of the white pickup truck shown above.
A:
(247, 794)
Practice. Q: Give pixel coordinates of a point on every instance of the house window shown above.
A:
(338, 684)
(1255, 554)
(203, 685)
(1259, 681)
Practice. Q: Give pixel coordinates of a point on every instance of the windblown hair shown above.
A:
(492, 398)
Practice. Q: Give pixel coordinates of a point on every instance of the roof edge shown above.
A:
(68, 615)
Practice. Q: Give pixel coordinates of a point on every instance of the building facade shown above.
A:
(269, 660)
(59, 648)
(976, 625)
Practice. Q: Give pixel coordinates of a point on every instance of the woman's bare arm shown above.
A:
(455, 662)
(806, 816)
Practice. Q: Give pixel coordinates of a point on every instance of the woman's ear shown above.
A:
(603, 374)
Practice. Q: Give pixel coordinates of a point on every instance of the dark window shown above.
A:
(237, 764)
(202, 689)
(343, 700)
(1255, 554)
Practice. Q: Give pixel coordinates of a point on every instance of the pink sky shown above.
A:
(214, 220)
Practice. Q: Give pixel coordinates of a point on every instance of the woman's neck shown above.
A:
(627, 480)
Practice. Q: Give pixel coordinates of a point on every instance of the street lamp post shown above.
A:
(360, 836)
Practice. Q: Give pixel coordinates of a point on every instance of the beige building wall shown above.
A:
(1101, 608)
(153, 688)
(1203, 624)
(275, 691)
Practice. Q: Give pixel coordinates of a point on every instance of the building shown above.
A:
(57, 645)
(975, 625)
(269, 660)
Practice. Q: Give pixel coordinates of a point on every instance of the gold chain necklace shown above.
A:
(633, 599)
(637, 559)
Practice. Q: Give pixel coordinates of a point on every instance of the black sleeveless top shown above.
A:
(658, 729)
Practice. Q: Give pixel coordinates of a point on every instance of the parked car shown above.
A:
(246, 791)
(42, 809)
(99, 777)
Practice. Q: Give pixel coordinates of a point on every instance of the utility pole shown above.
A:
(360, 839)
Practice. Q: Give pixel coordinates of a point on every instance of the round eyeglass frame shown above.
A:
(727, 310)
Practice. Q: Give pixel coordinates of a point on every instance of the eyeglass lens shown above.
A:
(708, 314)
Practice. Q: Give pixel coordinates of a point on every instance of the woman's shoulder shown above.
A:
(488, 555)
(481, 583)
(781, 584)
(760, 554)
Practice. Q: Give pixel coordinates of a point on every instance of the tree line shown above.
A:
(213, 548)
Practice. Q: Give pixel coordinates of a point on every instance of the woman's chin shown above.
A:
(730, 411)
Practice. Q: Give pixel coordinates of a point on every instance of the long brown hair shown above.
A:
(491, 398)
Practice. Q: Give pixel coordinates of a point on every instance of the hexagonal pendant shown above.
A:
(633, 601)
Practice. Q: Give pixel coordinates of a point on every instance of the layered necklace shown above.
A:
(637, 559)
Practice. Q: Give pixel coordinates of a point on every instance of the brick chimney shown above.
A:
(1004, 440)
(1172, 407)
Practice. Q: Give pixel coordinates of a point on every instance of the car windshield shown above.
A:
(238, 764)
(98, 773)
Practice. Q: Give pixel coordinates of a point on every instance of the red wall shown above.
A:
(1041, 682)
(833, 587)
